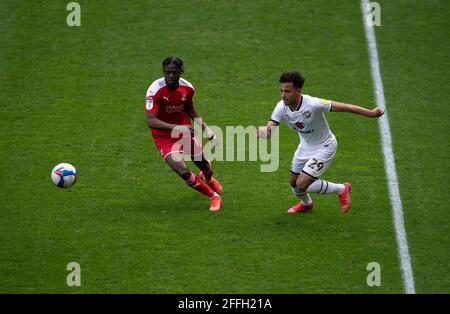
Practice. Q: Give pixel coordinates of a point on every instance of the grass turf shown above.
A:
(76, 95)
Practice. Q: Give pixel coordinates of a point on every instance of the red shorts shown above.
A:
(186, 145)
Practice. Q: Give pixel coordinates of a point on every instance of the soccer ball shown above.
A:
(64, 175)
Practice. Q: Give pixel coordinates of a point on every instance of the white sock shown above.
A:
(325, 187)
(303, 196)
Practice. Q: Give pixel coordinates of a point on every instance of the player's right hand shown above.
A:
(261, 132)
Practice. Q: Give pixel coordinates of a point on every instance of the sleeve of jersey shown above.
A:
(323, 105)
(151, 104)
(277, 115)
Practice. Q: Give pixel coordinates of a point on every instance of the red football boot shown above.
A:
(216, 203)
(300, 207)
(344, 197)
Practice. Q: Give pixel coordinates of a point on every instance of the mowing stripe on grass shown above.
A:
(389, 161)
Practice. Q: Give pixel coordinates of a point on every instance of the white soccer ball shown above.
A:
(64, 175)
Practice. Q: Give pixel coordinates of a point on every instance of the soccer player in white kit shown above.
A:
(305, 114)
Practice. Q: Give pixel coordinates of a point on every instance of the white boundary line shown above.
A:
(389, 161)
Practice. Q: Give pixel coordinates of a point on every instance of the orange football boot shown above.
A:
(216, 203)
(300, 207)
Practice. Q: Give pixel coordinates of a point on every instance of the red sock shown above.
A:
(195, 183)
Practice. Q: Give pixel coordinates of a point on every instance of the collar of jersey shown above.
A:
(299, 105)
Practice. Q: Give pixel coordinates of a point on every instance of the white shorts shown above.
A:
(314, 161)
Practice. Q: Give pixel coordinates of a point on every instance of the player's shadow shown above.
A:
(322, 219)
(174, 203)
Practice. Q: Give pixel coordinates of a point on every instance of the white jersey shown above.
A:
(309, 121)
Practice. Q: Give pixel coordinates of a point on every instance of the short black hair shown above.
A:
(293, 77)
(173, 60)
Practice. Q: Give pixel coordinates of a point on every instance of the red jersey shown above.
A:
(170, 105)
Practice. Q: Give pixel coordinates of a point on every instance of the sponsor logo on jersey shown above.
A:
(170, 109)
(306, 132)
(299, 125)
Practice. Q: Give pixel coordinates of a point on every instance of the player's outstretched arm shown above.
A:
(342, 107)
(266, 131)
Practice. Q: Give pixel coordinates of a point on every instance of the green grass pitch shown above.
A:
(76, 94)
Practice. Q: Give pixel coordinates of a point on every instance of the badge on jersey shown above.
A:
(325, 101)
(149, 103)
(307, 114)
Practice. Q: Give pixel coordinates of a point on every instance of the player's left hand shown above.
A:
(376, 112)
(215, 140)
(211, 136)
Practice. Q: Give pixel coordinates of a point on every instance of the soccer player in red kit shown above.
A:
(169, 106)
